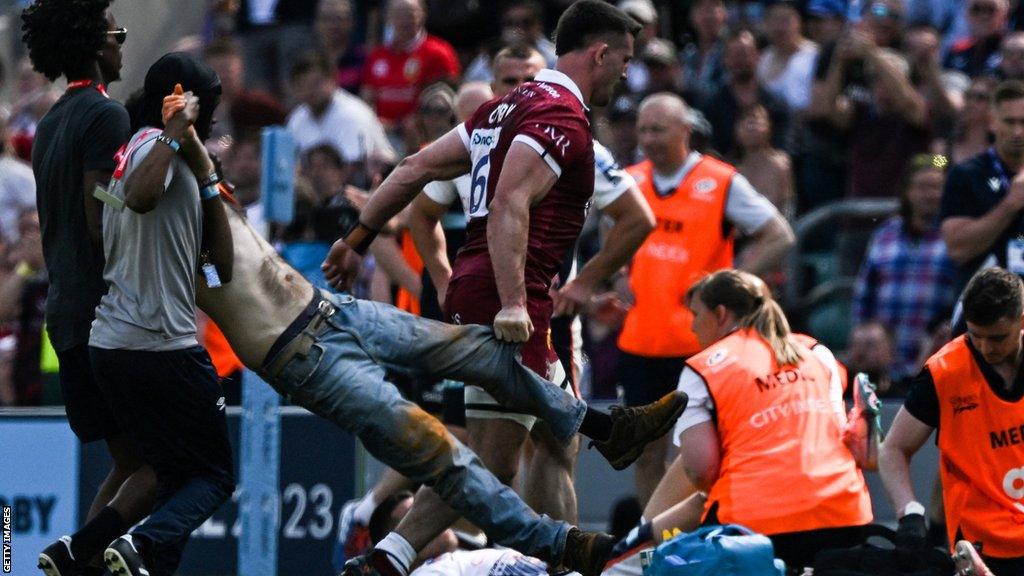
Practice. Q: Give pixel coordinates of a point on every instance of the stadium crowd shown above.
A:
(787, 109)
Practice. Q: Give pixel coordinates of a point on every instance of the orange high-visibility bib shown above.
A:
(688, 242)
(981, 454)
(783, 467)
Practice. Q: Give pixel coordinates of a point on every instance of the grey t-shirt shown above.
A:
(151, 265)
(80, 133)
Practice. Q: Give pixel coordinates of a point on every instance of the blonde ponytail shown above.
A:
(747, 296)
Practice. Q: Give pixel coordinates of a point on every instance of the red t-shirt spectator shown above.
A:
(395, 77)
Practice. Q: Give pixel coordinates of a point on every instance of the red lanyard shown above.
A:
(87, 83)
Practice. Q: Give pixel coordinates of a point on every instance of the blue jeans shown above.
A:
(342, 380)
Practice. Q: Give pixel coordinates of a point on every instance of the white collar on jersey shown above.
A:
(555, 77)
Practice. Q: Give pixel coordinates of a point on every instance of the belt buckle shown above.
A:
(325, 309)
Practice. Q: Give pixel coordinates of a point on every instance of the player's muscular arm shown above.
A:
(525, 179)
(427, 235)
(445, 159)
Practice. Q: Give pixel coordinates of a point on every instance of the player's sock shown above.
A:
(97, 534)
(596, 425)
(365, 508)
(399, 552)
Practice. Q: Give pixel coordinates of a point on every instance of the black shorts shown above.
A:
(86, 405)
(172, 405)
(645, 380)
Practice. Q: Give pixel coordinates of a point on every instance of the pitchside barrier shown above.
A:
(48, 480)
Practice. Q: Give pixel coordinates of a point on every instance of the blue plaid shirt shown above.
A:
(905, 283)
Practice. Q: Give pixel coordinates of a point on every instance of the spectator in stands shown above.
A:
(787, 65)
(224, 55)
(34, 97)
(972, 135)
(242, 165)
(435, 115)
(409, 60)
(334, 25)
(884, 22)
(23, 301)
(978, 53)
(642, 11)
(702, 58)
(907, 280)
(1011, 57)
(17, 184)
(329, 114)
(742, 90)
(885, 129)
(768, 169)
(273, 34)
(984, 196)
(941, 90)
(522, 22)
(698, 202)
(664, 73)
(871, 350)
(622, 139)
(826, 20)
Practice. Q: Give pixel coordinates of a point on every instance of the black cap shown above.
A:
(180, 68)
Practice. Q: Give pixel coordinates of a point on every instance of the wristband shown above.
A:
(360, 237)
(212, 180)
(169, 141)
(207, 192)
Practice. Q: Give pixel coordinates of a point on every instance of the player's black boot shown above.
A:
(57, 560)
(122, 558)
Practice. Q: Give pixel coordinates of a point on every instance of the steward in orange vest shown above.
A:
(972, 392)
(763, 436)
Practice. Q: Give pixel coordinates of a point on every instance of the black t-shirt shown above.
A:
(973, 189)
(923, 401)
(80, 133)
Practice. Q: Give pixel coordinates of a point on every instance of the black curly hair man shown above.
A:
(73, 152)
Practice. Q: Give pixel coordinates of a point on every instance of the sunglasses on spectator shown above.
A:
(982, 9)
(880, 10)
(120, 34)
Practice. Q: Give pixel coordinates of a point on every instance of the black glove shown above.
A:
(912, 532)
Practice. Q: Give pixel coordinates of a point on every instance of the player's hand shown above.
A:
(342, 265)
(513, 324)
(180, 109)
(574, 298)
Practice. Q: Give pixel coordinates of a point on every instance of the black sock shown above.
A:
(596, 425)
(97, 534)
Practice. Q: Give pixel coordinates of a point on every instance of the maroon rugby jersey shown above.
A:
(547, 114)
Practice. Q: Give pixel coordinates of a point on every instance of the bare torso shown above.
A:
(264, 296)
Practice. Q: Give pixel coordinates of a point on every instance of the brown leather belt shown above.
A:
(301, 344)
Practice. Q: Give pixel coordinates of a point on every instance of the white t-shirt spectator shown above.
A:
(792, 83)
(17, 194)
(348, 124)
